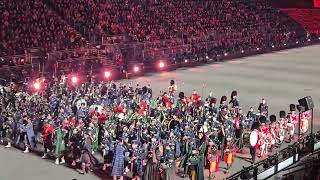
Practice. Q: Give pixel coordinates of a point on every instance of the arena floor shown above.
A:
(282, 78)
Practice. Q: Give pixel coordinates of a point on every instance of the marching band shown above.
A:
(150, 137)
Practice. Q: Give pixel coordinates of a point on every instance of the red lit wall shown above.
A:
(316, 3)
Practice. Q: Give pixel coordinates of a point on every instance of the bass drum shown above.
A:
(253, 138)
(246, 137)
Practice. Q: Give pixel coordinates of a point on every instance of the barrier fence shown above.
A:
(281, 160)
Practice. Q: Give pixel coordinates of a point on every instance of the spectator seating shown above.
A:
(253, 20)
(227, 25)
(29, 24)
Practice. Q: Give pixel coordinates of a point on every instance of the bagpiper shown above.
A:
(136, 161)
(213, 158)
(254, 145)
(47, 135)
(263, 140)
(304, 124)
(172, 89)
(282, 126)
(229, 150)
(169, 166)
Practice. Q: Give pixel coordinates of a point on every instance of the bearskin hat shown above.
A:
(282, 114)
(181, 95)
(223, 99)
(234, 93)
(273, 118)
(172, 82)
(292, 107)
(213, 100)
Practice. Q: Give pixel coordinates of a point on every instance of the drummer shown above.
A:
(254, 139)
(251, 117)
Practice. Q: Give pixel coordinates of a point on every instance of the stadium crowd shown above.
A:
(204, 27)
(226, 25)
(165, 19)
(29, 24)
(141, 30)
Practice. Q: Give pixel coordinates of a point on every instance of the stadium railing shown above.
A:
(281, 160)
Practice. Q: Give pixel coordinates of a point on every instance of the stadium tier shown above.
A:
(139, 31)
(31, 24)
(228, 23)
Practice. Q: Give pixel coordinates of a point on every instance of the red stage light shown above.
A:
(136, 69)
(107, 74)
(74, 79)
(36, 85)
(161, 64)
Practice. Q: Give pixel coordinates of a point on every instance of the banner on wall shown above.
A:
(316, 3)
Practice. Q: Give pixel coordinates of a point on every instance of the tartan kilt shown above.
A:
(118, 168)
(118, 162)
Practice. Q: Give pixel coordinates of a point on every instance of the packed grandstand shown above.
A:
(142, 31)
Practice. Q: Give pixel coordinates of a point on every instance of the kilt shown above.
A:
(213, 167)
(85, 158)
(108, 158)
(118, 161)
